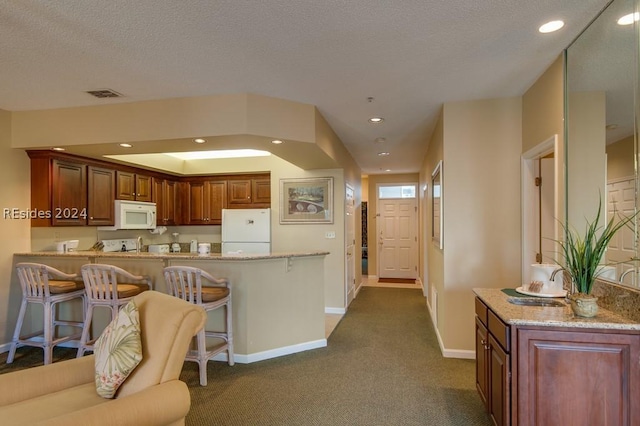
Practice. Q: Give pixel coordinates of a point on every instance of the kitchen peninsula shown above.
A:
(278, 298)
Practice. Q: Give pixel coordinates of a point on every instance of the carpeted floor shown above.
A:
(382, 366)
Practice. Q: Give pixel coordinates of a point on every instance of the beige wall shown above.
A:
(620, 159)
(14, 233)
(480, 144)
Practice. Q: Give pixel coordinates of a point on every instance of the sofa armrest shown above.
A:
(45, 379)
(164, 404)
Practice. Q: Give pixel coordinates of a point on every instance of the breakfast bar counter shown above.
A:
(278, 298)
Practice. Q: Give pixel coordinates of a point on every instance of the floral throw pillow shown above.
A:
(118, 351)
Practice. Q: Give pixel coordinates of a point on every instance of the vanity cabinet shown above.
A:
(165, 195)
(493, 371)
(101, 194)
(133, 186)
(531, 374)
(577, 376)
(249, 193)
(205, 201)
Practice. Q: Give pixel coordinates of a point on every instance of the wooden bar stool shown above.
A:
(39, 286)
(187, 283)
(104, 290)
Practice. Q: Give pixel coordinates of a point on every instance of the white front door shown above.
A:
(397, 238)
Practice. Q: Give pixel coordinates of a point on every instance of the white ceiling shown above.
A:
(411, 56)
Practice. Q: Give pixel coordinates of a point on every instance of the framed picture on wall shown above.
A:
(308, 200)
(436, 207)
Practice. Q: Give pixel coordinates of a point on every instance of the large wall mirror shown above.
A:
(601, 130)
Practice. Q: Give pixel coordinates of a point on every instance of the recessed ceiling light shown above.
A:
(276, 141)
(229, 153)
(611, 126)
(376, 120)
(57, 148)
(126, 145)
(387, 170)
(383, 154)
(629, 19)
(199, 140)
(551, 26)
(380, 140)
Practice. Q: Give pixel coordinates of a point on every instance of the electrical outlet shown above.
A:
(330, 234)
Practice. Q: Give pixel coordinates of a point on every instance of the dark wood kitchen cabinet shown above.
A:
(133, 186)
(250, 192)
(530, 375)
(205, 201)
(165, 195)
(58, 191)
(101, 194)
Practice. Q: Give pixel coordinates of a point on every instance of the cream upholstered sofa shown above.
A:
(64, 393)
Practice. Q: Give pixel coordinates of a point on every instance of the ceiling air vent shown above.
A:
(104, 93)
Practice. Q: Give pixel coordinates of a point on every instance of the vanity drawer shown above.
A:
(500, 330)
(481, 311)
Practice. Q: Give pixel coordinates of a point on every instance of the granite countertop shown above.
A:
(498, 302)
(174, 256)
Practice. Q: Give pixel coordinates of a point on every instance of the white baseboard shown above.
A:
(450, 353)
(329, 310)
(273, 353)
(71, 344)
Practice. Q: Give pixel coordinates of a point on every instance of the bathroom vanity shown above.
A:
(541, 365)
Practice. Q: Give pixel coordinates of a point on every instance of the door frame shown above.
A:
(529, 226)
(377, 230)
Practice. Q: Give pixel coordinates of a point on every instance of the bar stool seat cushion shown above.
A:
(129, 290)
(60, 287)
(212, 294)
(118, 351)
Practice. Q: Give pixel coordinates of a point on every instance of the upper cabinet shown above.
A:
(72, 191)
(133, 186)
(249, 192)
(165, 195)
(101, 193)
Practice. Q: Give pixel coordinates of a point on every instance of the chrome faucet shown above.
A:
(553, 274)
(624, 274)
(138, 244)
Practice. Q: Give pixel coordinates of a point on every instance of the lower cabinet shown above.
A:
(535, 375)
(493, 371)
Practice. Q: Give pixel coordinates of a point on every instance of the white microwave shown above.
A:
(133, 215)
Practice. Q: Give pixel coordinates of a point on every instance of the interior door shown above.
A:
(350, 244)
(397, 238)
(548, 221)
(621, 200)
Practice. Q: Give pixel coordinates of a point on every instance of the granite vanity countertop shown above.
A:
(174, 256)
(498, 302)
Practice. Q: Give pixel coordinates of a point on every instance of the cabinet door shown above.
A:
(143, 187)
(240, 192)
(499, 384)
(197, 206)
(261, 192)
(578, 377)
(171, 202)
(69, 194)
(158, 198)
(100, 196)
(482, 366)
(125, 186)
(217, 200)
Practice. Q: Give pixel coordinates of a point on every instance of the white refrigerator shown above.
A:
(246, 231)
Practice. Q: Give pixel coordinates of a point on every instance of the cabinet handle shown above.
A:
(91, 217)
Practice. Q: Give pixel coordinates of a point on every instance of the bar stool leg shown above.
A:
(202, 356)
(16, 332)
(229, 334)
(85, 331)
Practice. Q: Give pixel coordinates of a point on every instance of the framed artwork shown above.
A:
(436, 207)
(308, 200)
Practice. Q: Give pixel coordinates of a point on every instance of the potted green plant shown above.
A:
(582, 255)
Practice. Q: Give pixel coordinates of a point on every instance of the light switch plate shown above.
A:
(330, 234)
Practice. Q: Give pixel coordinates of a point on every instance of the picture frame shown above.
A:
(306, 200)
(437, 228)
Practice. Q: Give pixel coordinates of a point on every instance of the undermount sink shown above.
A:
(523, 301)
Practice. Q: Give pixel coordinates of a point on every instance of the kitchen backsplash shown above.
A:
(45, 239)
